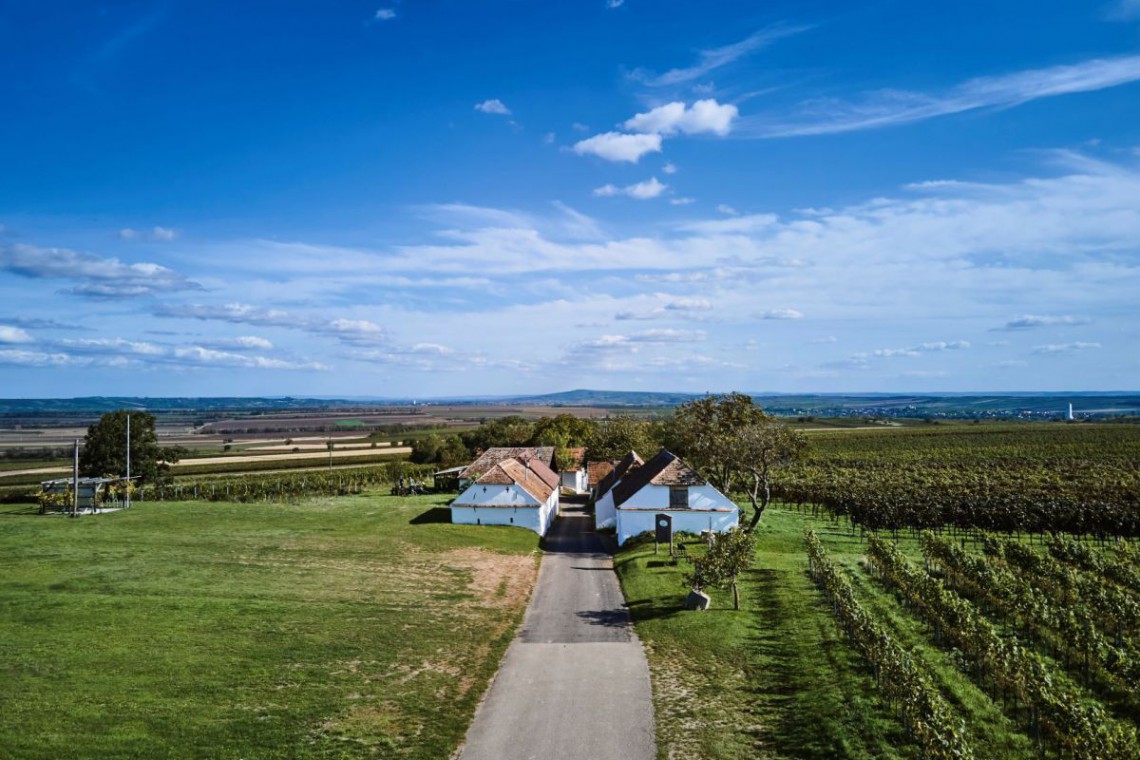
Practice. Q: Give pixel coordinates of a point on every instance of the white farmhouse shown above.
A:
(605, 515)
(667, 485)
(519, 491)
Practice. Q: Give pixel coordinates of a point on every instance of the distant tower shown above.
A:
(1070, 412)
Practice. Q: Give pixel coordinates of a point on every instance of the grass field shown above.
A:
(350, 627)
(777, 679)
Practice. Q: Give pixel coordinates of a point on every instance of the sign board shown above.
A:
(664, 528)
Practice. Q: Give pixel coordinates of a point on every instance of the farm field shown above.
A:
(779, 679)
(341, 627)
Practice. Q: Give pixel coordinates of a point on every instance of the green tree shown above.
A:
(105, 448)
(736, 445)
(614, 437)
(505, 431)
(729, 555)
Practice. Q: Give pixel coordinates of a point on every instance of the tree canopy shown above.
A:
(614, 437)
(729, 555)
(735, 445)
(105, 447)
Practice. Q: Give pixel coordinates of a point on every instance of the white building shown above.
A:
(520, 491)
(605, 515)
(573, 473)
(667, 485)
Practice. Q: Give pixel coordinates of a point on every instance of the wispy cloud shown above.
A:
(161, 234)
(650, 188)
(352, 331)
(384, 14)
(1030, 321)
(780, 314)
(715, 58)
(93, 276)
(1065, 348)
(885, 108)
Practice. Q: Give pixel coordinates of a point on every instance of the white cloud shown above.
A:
(646, 190)
(1065, 348)
(715, 58)
(494, 105)
(682, 201)
(94, 277)
(824, 339)
(886, 108)
(727, 210)
(673, 118)
(385, 14)
(23, 358)
(615, 3)
(669, 168)
(682, 306)
(354, 331)
(242, 342)
(160, 234)
(615, 146)
(1028, 321)
(14, 335)
(780, 314)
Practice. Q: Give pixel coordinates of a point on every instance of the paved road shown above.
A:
(574, 682)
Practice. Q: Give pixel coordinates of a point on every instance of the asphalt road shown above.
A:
(575, 682)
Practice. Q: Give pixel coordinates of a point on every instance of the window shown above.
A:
(678, 497)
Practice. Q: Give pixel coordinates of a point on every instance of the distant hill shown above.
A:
(944, 405)
(583, 397)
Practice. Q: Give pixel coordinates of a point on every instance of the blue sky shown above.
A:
(422, 198)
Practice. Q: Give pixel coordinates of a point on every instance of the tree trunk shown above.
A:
(735, 595)
(760, 483)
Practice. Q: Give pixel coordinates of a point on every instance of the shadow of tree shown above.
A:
(433, 515)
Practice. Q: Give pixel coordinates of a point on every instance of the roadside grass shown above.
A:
(351, 627)
(778, 679)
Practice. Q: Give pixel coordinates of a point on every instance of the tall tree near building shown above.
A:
(735, 445)
(105, 447)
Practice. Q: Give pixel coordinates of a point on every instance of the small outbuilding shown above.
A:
(94, 495)
(518, 491)
(572, 473)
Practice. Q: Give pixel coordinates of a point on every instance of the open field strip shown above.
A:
(201, 462)
(315, 446)
(348, 627)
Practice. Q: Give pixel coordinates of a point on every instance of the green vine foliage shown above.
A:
(940, 733)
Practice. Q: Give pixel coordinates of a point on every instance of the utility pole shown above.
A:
(75, 482)
(128, 461)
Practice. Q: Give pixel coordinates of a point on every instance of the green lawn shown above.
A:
(350, 627)
(777, 679)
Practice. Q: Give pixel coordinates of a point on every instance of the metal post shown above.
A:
(75, 482)
(128, 460)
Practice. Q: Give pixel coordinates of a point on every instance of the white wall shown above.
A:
(504, 505)
(604, 514)
(657, 497)
(630, 523)
(574, 479)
